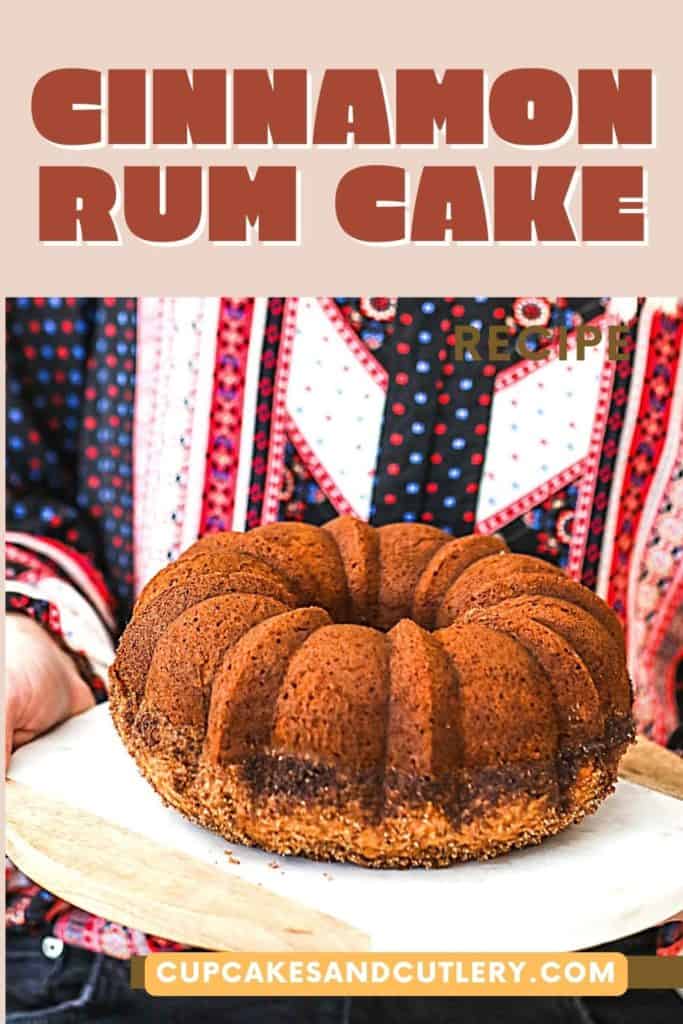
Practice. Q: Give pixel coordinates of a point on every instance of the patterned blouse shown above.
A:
(135, 426)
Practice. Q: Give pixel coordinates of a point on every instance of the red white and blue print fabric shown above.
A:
(136, 425)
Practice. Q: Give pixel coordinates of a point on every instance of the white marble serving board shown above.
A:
(617, 872)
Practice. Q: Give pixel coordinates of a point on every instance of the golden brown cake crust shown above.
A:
(391, 697)
(405, 550)
(444, 568)
(358, 545)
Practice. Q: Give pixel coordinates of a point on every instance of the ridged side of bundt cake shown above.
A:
(392, 696)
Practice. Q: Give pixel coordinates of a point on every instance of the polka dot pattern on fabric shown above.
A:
(439, 402)
(70, 388)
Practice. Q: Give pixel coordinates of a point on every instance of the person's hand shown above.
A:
(43, 685)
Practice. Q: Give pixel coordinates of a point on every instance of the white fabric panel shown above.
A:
(336, 405)
(540, 426)
(169, 498)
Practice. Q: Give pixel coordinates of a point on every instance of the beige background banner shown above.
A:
(381, 34)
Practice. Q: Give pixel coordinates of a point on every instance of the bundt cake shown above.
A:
(391, 696)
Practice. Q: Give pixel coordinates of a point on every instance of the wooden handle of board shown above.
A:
(105, 870)
(652, 766)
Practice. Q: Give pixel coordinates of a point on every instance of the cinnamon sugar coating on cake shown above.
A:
(392, 697)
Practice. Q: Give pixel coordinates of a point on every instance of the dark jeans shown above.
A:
(77, 986)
